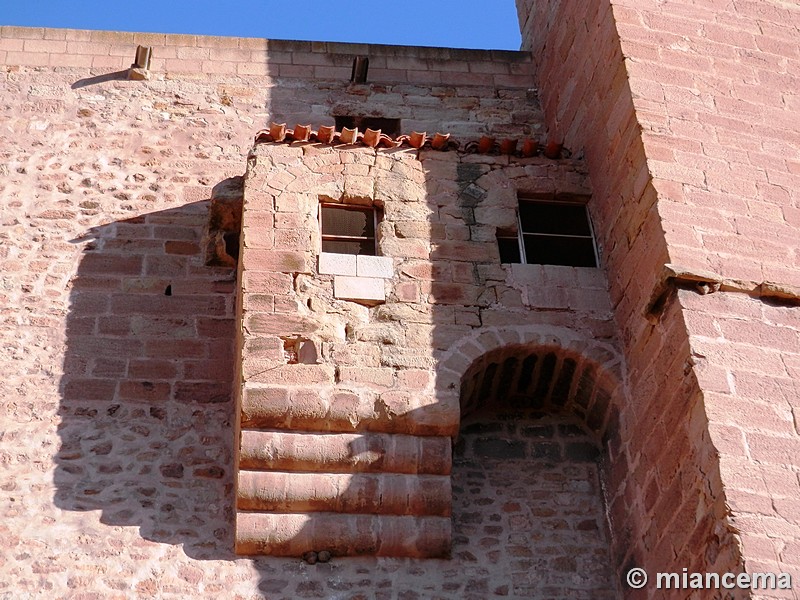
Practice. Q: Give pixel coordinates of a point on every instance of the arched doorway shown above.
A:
(527, 473)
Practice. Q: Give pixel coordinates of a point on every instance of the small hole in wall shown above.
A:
(168, 290)
(297, 350)
(290, 351)
(658, 305)
(360, 69)
(231, 244)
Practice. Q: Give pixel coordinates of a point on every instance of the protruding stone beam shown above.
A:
(708, 282)
(345, 453)
(362, 493)
(342, 535)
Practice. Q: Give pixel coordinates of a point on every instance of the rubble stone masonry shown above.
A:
(391, 372)
(195, 395)
(119, 454)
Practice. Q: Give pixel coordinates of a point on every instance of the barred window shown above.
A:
(550, 232)
(348, 229)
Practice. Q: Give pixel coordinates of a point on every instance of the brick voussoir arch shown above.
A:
(586, 376)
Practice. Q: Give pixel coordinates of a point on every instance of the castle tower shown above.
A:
(465, 322)
(687, 114)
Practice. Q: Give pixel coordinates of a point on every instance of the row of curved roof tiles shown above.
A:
(374, 138)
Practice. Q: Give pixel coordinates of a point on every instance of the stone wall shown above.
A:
(118, 424)
(545, 530)
(724, 142)
(687, 116)
(463, 92)
(386, 367)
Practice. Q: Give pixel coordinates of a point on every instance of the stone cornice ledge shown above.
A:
(707, 282)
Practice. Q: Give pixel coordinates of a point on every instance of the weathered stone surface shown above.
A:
(371, 289)
(375, 266)
(374, 493)
(345, 453)
(118, 351)
(292, 534)
(336, 264)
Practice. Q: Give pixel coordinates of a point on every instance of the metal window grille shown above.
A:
(348, 229)
(550, 232)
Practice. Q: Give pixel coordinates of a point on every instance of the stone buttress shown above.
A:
(341, 449)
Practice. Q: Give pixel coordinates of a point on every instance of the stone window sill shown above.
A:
(357, 277)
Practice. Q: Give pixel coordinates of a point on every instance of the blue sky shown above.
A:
(451, 23)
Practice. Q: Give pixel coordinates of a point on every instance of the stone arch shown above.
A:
(539, 443)
(567, 371)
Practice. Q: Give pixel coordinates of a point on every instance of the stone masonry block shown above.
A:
(374, 266)
(358, 288)
(345, 453)
(376, 377)
(524, 273)
(373, 493)
(331, 263)
(344, 534)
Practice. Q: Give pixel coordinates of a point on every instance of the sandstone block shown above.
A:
(268, 406)
(374, 266)
(274, 260)
(330, 263)
(211, 392)
(376, 377)
(279, 324)
(144, 391)
(342, 534)
(359, 288)
(290, 374)
(365, 493)
(345, 452)
(407, 291)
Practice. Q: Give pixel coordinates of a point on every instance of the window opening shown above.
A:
(360, 68)
(348, 229)
(508, 243)
(387, 126)
(550, 232)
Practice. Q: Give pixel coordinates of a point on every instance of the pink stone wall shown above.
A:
(694, 149)
(666, 503)
(212, 55)
(118, 452)
(545, 531)
(715, 90)
(463, 92)
(387, 370)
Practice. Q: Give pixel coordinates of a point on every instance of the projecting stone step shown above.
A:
(346, 412)
(342, 535)
(345, 453)
(365, 493)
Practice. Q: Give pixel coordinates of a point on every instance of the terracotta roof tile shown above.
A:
(327, 134)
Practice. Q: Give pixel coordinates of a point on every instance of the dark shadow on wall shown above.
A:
(146, 424)
(146, 410)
